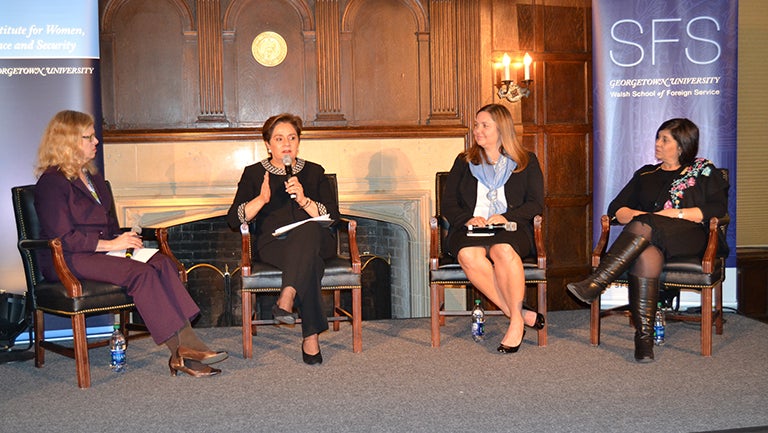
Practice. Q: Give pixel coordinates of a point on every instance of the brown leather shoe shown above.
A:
(176, 365)
(206, 357)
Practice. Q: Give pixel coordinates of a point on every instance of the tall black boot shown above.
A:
(619, 257)
(643, 297)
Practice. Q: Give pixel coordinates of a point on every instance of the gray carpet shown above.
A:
(400, 384)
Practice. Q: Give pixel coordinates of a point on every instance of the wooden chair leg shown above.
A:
(39, 327)
(82, 364)
(441, 305)
(336, 306)
(357, 320)
(247, 310)
(542, 307)
(719, 309)
(706, 322)
(594, 322)
(435, 313)
(124, 319)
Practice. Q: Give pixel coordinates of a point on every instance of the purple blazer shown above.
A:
(67, 210)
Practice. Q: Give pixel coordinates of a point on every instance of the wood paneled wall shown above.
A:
(363, 67)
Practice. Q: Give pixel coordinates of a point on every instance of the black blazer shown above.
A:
(524, 192)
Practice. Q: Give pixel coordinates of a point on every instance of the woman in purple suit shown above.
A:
(74, 204)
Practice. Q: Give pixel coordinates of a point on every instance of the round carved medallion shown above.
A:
(269, 49)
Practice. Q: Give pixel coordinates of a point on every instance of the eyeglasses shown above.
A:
(89, 137)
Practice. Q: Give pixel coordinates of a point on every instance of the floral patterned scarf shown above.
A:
(700, 166)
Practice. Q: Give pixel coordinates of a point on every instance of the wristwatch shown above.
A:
(680, 213)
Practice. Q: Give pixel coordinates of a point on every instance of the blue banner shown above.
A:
(49, 29)
(49, 61)
(655, 60)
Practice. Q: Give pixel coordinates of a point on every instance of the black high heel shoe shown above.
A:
(283, 316)
(317, 358)
(507, 349)
(539, 323)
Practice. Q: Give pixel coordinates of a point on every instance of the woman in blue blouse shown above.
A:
(665, 208)
(495, 181)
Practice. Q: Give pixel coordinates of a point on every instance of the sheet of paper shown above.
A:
(142, 254)
(323, 219)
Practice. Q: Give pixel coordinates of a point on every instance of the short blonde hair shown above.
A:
(61, 145)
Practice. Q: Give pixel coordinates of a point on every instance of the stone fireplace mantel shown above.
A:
(390, 179)
(408, 209)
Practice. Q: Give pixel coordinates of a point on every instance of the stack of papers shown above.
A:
(325, 220)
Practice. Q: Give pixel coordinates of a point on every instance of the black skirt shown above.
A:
(676, 237)
(520, 241)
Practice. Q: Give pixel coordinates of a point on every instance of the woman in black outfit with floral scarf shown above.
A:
(665, 208)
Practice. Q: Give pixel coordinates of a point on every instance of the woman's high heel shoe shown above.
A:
(283, 316)
(206, 357)
(507, 349)
(176, 365)
(311, 359)
(539, 323)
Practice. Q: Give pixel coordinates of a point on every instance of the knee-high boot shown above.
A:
(643, 297)
(618, 259)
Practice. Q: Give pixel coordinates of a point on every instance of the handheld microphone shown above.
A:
(509, 226)
(288, 169)
(129, 251)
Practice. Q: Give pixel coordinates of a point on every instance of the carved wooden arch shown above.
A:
(110, 13)
(422, 22)
(300, 6)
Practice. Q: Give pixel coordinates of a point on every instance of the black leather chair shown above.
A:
(341, 273)
(70, 297)
(444, 271)
(704, 275)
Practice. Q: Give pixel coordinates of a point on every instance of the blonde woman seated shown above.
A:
(496, 181)
(74, 204)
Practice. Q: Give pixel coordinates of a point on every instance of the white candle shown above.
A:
(505, 61)
(527, 60)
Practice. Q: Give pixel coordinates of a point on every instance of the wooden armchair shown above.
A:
(703, 275)
(444, 271)
(70, 297)
(341, 273)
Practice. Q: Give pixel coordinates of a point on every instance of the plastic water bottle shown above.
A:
(478, 322)
(658, 326)
(117, 350)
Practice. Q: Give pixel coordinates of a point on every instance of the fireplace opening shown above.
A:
(211, 253)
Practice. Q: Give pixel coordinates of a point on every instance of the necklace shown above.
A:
(91, 188)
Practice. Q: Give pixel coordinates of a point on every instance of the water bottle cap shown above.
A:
(477, 302)
(116, 326)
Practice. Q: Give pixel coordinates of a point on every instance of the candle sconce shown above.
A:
(512, 91)
(509, 89)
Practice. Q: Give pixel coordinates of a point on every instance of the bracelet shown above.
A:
(305, 205)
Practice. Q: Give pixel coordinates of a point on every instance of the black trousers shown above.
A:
(301, 256)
